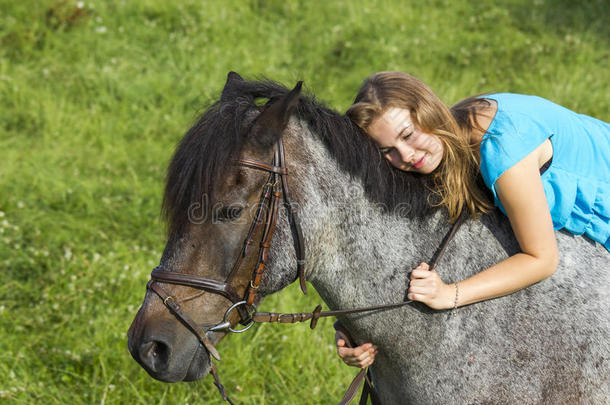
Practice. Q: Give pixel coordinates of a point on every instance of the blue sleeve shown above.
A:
(509, 138)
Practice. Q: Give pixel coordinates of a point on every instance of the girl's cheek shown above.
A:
(438, 146)
(424, 142)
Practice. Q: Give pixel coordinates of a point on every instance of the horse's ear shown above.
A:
(271, 123)
(232, 78)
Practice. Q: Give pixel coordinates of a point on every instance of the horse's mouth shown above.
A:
(200, 365)
(201, 362)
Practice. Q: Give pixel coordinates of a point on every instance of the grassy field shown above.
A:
(94, 95)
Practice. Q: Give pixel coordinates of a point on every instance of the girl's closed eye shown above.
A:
(406, 136)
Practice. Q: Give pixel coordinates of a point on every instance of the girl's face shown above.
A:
(403, 144)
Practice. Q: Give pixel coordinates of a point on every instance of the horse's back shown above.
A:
(548, 343)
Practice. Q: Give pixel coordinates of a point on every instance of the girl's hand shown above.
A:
(361, 356)
(426, 286)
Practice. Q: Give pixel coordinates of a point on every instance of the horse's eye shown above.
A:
(228, 214)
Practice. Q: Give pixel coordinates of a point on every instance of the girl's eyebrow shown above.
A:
(403, 130)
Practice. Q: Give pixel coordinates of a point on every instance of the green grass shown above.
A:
(93, 101)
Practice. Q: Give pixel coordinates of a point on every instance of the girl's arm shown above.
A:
(522, 195)
(521, 192)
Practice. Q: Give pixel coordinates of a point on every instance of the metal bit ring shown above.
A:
(231, 308)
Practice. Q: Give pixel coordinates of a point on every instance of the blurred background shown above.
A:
(94, 96)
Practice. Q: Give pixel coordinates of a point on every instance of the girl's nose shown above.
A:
(406, 152)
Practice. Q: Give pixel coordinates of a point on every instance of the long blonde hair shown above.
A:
(456, 180)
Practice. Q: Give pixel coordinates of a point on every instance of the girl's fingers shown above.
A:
(415, 297)
(370, 360)
(348, 352)
(420, 273)
(357, 351)
(361, 356)
(419, 282)
(422, 286)
(365, 355)
(420, 290)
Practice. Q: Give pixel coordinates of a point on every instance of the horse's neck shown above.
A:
(366, 259)
(358, 254)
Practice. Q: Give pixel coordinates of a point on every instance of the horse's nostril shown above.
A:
(155, 355)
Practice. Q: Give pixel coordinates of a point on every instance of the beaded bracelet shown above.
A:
(457, 291)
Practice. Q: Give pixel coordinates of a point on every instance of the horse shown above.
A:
(364, 226)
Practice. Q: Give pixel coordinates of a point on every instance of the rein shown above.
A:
(274, 190)
(260, 317)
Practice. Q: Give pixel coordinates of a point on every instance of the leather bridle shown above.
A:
(274, 190)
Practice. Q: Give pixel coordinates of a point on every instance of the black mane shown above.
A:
(218, 136)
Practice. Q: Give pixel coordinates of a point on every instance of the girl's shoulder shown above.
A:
(514, 132)
(515, 100)
(523, 121)
(524, 109)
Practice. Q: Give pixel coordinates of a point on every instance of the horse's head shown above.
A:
(225, 186)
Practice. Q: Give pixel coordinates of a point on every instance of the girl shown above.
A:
(547, 167)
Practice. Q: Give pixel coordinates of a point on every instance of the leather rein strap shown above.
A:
(318, 313)
(275, 188)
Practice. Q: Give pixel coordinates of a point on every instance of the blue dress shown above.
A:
(577, 182)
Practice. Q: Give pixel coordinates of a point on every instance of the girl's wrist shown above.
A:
(452, 292)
